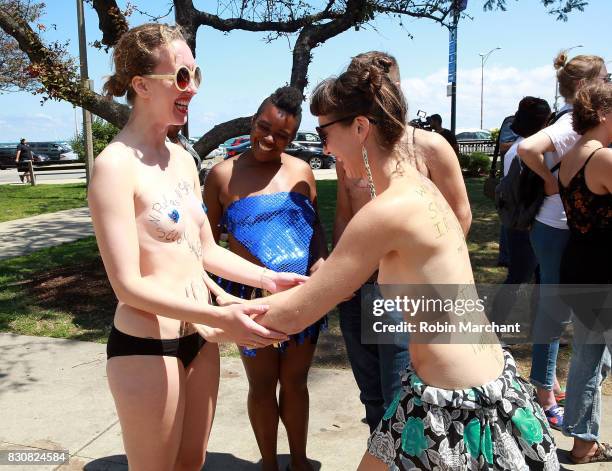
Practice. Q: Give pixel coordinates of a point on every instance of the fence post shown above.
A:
(31, 171)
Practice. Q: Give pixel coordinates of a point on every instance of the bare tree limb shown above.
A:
(57, 75)
(112, 21)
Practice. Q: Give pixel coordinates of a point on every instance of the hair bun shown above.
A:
(384, 63)
(371, 79)
(560, 60)
(114, 86)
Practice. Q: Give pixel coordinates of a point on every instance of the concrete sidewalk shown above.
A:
(21, 236)
(54, 396)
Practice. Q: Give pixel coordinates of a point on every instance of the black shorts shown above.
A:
(184, 348)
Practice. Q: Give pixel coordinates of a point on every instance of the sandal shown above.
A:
(554, 415)
(603, 454)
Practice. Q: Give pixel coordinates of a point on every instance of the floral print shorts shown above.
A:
(497, 426)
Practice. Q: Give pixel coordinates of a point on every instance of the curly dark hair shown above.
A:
(591, 102)
(288, 99)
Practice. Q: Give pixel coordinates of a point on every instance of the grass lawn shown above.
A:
(63, 291)
(23, 201)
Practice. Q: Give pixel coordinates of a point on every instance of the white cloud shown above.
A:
(503, 89)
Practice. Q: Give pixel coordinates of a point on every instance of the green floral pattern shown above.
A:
(528, 425)
(413, 437)
(497, 426)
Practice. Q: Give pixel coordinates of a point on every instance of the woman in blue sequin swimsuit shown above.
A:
(266, 200)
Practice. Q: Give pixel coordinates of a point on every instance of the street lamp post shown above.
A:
(483, 60)
(556, 107)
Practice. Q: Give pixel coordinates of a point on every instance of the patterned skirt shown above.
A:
(497, 426)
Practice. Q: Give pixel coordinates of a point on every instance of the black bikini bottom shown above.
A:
(184, 348)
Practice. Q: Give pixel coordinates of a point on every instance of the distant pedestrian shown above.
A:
(436, 124)
(24, 154)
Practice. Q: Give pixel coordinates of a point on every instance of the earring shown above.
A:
(366, 162)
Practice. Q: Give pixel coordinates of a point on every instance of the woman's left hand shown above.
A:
(226, 299)
(275, 282)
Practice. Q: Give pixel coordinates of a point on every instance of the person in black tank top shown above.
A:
(587, 199)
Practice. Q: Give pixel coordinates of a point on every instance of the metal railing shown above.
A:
(486, 146)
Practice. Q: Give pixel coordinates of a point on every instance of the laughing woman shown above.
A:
(156, 242)
(461, 405)
(267, 201)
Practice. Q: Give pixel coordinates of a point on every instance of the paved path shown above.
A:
(22, 236)
(54, 395)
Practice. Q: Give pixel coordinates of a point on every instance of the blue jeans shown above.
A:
(522, 266)
(589, 367)
(553, 314)
(377, 368)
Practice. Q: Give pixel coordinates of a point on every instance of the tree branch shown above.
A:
(221, 133)
(58, 76)
(111, 21)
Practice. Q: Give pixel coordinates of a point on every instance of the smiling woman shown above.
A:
(156, 243)
(267, 201)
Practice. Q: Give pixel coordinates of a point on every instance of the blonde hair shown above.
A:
(569, 74)
(136, 53)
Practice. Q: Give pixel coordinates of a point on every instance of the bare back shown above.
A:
(433, 252)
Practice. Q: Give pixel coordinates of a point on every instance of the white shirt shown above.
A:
(511, 154)
(563, 137)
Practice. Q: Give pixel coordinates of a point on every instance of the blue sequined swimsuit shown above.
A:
(277, 229)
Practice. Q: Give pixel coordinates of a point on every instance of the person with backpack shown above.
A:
(549, 232)
(585, 186)
(531, 117)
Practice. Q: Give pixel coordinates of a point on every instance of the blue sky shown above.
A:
(240, 69)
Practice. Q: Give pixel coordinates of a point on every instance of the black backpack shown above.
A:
(520, 193)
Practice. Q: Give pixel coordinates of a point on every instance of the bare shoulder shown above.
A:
(602, 160)
(401, 204)
(605, 155)
(222, 169)
(430, 142)
(115, 156)
(296, 164)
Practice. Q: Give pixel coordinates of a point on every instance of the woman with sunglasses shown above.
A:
(267, 202)
(377, 368)
(156, 242)
(462, 405)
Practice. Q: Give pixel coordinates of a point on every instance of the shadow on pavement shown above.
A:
(214, 462)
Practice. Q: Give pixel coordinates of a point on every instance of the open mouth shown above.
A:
(181, 106)
(265, 147)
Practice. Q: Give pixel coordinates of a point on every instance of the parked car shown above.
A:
(234, 141)
(308, 139)
(312, 154)
(475, 140)
(59, 151)
(231, 151)
(473, 135)
(7, 156)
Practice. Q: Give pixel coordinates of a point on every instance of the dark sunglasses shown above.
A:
(182, 77)
(323, 135)
(607, 78)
